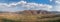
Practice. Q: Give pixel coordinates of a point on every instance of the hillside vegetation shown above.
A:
(27, 16)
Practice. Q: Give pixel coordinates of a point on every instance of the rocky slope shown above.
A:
(34, 12)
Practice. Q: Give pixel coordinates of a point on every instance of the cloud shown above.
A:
(57, 1)
(26, 6)
(50, 0)
(57, 5)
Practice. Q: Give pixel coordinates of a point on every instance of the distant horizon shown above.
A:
(24, 10)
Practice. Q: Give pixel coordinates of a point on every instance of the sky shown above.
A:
(19, 5)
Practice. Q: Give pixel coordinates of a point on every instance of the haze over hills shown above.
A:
(32, 12)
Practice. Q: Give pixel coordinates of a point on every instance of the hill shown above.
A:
(35, 12)
(29, 16)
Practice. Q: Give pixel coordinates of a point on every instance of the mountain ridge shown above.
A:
(33, 12)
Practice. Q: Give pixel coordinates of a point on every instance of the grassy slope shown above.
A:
(28, 18)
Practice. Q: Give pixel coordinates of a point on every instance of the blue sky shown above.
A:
(36, 1)
(15, 6)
